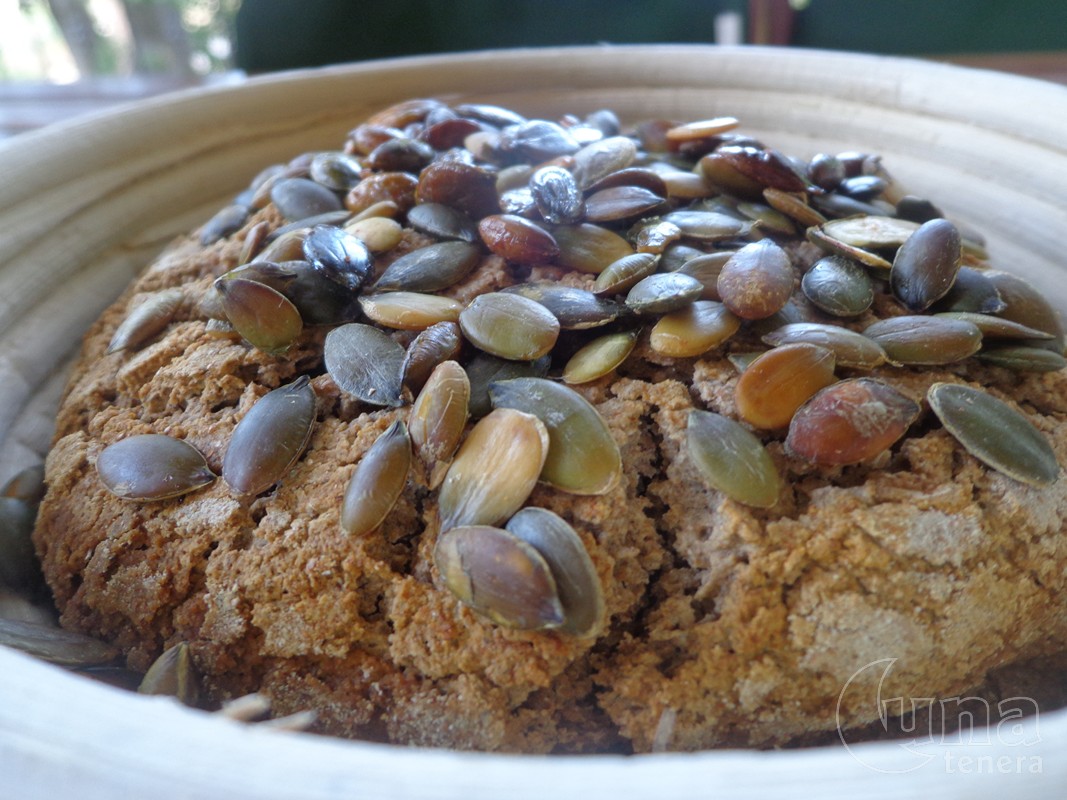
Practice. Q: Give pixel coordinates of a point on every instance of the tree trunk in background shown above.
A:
(77, 28)
(160, 42)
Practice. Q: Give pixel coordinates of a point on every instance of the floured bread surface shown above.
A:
(726, 624)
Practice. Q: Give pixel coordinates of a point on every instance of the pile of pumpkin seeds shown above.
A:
(677, 240)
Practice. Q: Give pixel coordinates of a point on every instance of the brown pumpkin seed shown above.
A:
(152, 466)
(394, 187)
(995, 433)
(694, 330)
(431, 268)
(745, 171)
(589, 248)
(399, 154)
(925, 266)
(147, 319)
(575, 309)
(623, 274)
(377, 481)
(509, 326)
(57, 646)
(663, 292)
(757, 281)
(599, 357)
(850, 421)
(731, 459)
(776, 384)
(793, 206)
(838, 286)
(270, 438)
(286, 247)
(444, 222)
(925, 340)
(266, 318)
(643, 177)
(517, 239)
(582, 457)
(621, 203)
(464, 187)
(173, 675)
(577, 583)
(494, 471)
(438, 343)
(850, 349)
(364, 362)
(410, 311)
(500, 576)
(438, 418)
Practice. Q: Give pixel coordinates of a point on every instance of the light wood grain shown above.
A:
(84, 205)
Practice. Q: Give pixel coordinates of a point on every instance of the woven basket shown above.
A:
(84, 206)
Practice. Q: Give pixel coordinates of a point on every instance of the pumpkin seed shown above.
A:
(693, 330)
(465, 187)
(743, 361)
(266, 318)
(926, 264)
(55, 645)
(599, 357)
(19, 569)
(701, 129)
(287, 247)
(589, 248)
(509, 326)
(440, 342)
(300, 198)
(621, 203)
(430, 268)
(400, 154)
(147, 319)
(1023, 359)
(594, 161)
(319, 300)
(831, 245)
(707, 226)
(925, 340)
(655, 237)
(444, 222)
(377, 481)
(745, 171)
(850, 349)
(270, 438)
(793, 206)
(26, 485)
(826, 171)
(1027, 306)
(996, 327)
(582, 457)
(767, 218)
(973, 292)
(336, 171)
(152, 466)
(364, 362)
(557, 195)
(995, 433)
(706, 268)
(438, 418)
(494, 471)
(678, 255)
(483, 370)
(398, 188)
(776, 384)
(731, 459)
(340, 255)
(838, 286)
(224, 224)
(516, 239)
(412, 311)
(378, 234)
(500, 576)
(850, 421)
(537, 140)
(173, 675)
(623, 274)
(575, 309)
(757, 281)
(663, 293)
(577, 583)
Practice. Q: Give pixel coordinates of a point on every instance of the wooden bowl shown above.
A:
(84, 205)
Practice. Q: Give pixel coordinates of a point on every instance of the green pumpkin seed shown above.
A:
(430, 268)
(319, 300)
(500, 576)
(365, 363)
(440, 342)
(663, 293)
(838, 286)
(336, 171)
(731, 459)
(577, 583)
(582, 456)
(437, 419)
(575, 309)
(495, 470)
(995, 433)
(377, 482)
(173, 675)
(509, 326)
(267, 319)
(622, 275)
(270, 438)
(1027, 306)
(972, 291)
(146, 320)
(483, 370)
(708, 226)
(152, 467)
(926, 264)
(1023, 359)
(598, 159)
(996, 327)
(923, 340)
(409, 311)
(225, 223)
(767, 218)
(55, 645)
(706, 268)
(299, 198)
(677, 255)
(599, 357)
(850, 349)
